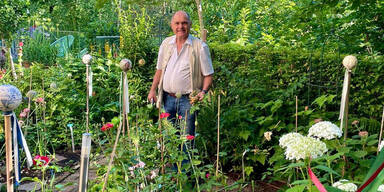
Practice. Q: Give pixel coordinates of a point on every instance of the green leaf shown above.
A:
(373, 142)
(327, 169)
(297, 188)
(379, 179)
(244, 134)
(248, 170)
(359, 154)
(196, 162)
(261, 158)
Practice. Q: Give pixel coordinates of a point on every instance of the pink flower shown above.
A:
(26, 110)
(106, 126)
(180, 117)
(207, 175)
(22, 114)
(363, 133)
(40, 100)
(190, 137)
(164, 115)
(41, 160)
(21, 44)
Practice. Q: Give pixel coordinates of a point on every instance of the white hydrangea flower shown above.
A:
(305, 147)
(326, 130)
(381, 188)
(289, 138)
(381, 145)
(345, 185)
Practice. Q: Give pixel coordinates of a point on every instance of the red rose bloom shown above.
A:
(190, 137)
(164, 115)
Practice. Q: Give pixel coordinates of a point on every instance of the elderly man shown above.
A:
(184, 65)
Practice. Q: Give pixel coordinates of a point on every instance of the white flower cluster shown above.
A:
(381, 145)
(300, 147)
(381, 188)
(345, 185)
(325, 129)
(289, 138)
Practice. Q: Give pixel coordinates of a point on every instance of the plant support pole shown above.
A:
(218, 136)
(12, 65)
(8, 146)
(84, 164)
(111, 158)
(381, 131)
(203, 32)
(87, 113)
(296, 113)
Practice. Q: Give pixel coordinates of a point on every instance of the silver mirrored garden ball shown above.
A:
(87, 58)
(10, 97)
(125, 64)
(350, 62)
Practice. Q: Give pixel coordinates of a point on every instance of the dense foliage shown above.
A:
(265, 54)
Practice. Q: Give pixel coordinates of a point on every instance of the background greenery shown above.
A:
(265, 53)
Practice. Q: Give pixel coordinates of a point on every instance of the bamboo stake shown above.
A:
(8, 146)
(12, 65)
(111, 158)
(345, 119)
(29, 103)
(296, 113)
(161, 143)
(218, 136)
(201, 21)
(87, 112)
(381, 131)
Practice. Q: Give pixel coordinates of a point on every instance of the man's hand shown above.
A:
(152, 96)
(201, 95)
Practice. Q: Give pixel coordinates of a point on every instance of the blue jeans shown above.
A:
(181, 107)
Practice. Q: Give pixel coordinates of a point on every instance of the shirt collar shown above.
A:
(188, 41)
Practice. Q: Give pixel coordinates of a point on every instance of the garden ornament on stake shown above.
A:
(84, 164)
(87, 58)
(125, 65)
(349, 63)
(10, 98)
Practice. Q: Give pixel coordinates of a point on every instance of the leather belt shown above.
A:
(174, 94)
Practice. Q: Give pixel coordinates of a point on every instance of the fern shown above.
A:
(243, 27)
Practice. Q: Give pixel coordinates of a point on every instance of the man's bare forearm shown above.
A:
(156, 80)
(207, 81)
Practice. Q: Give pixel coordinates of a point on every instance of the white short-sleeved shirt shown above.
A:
(177, 74)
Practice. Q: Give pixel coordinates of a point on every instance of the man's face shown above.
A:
(180, 25)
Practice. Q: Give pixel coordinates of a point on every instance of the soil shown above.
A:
(67, 160)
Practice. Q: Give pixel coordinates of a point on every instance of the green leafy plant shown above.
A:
(38, 50)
